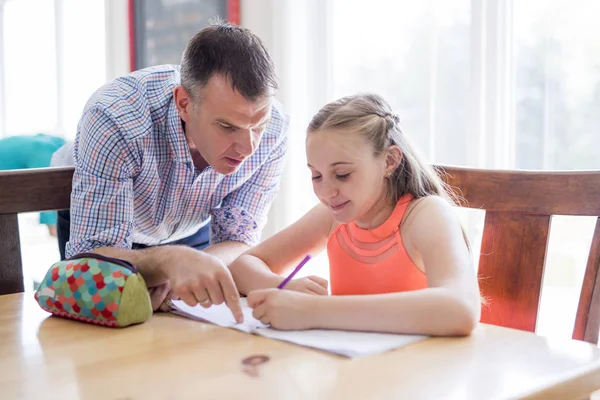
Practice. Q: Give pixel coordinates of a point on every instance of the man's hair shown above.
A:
(232, 51)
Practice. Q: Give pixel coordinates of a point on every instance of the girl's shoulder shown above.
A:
(427, 213)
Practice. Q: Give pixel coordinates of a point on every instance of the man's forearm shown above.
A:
(148, 261)
(151, 261)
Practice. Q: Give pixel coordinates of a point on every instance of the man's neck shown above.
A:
(199, 161)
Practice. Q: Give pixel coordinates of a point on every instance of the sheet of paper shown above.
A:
(349, 344)
(346, 343)
(219, 315)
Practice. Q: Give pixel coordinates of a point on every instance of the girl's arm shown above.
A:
(259, 267)
(449, 306)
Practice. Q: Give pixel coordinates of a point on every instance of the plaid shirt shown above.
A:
(135, 181)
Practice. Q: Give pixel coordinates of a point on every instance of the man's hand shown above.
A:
(158, 296)
(200, 278)
(182, 272)
(310, 285)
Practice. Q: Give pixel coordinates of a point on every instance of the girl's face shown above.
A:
(347, 176)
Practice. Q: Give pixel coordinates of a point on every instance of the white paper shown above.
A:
(349, 344)
(345, 343)
(219, 315)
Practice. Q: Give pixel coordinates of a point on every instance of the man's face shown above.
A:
(222, 127)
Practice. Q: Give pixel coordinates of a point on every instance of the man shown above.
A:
(31, 151)
(162, 150)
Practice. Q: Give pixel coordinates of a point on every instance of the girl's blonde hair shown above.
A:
(371, 116)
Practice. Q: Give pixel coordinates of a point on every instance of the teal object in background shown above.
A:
(30, 151)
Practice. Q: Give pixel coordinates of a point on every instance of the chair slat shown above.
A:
(511, 267)
(587, 322)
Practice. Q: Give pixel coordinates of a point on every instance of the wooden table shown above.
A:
(171, 357)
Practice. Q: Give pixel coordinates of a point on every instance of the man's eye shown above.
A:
(227, 128)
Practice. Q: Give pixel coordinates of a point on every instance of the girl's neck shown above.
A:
(377, 215)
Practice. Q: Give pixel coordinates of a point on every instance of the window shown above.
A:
(29, 67)
(417, 57)
(52, 57)
(557, 84)
(84, 58)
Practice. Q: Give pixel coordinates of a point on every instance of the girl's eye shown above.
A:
(316, 178)
(343, 177)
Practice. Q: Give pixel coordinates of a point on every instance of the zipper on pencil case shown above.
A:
(118, 261)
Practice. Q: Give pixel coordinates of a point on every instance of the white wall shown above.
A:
(117, 38)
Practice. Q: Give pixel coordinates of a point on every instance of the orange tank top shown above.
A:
(372, 261)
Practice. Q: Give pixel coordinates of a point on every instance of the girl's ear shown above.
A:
(392, 159)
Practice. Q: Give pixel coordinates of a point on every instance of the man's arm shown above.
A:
(102, 197)
(102, 220)
(150, 261)
(228, 245)
(102, 194)
(196, 277)
(243, 213)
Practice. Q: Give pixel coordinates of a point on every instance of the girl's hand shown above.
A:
(309, 285)
(283, 309)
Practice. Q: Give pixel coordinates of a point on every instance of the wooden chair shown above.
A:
(519, 206)
(23, 191)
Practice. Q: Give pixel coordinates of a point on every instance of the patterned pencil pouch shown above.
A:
(96, 289)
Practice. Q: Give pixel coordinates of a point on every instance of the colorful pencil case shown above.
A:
(96, 289)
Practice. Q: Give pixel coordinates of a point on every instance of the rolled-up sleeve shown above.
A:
(243, 213)
(102, 196)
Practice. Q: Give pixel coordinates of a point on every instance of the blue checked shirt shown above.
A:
(135, 181)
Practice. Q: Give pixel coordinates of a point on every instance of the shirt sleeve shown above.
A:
(102, 196)
(243, 213)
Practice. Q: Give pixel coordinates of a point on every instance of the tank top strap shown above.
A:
(398, 214)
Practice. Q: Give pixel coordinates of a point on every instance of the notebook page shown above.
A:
(219, 315)
(345, 343)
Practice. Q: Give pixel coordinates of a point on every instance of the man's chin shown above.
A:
(226, 169)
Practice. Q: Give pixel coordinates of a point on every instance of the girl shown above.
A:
(398, 259)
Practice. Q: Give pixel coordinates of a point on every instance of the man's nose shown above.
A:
(245, 143)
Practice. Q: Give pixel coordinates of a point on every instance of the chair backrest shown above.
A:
(519, 206)
(23, 191)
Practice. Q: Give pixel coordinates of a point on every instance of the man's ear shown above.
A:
(392, 159)
(183, 101)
